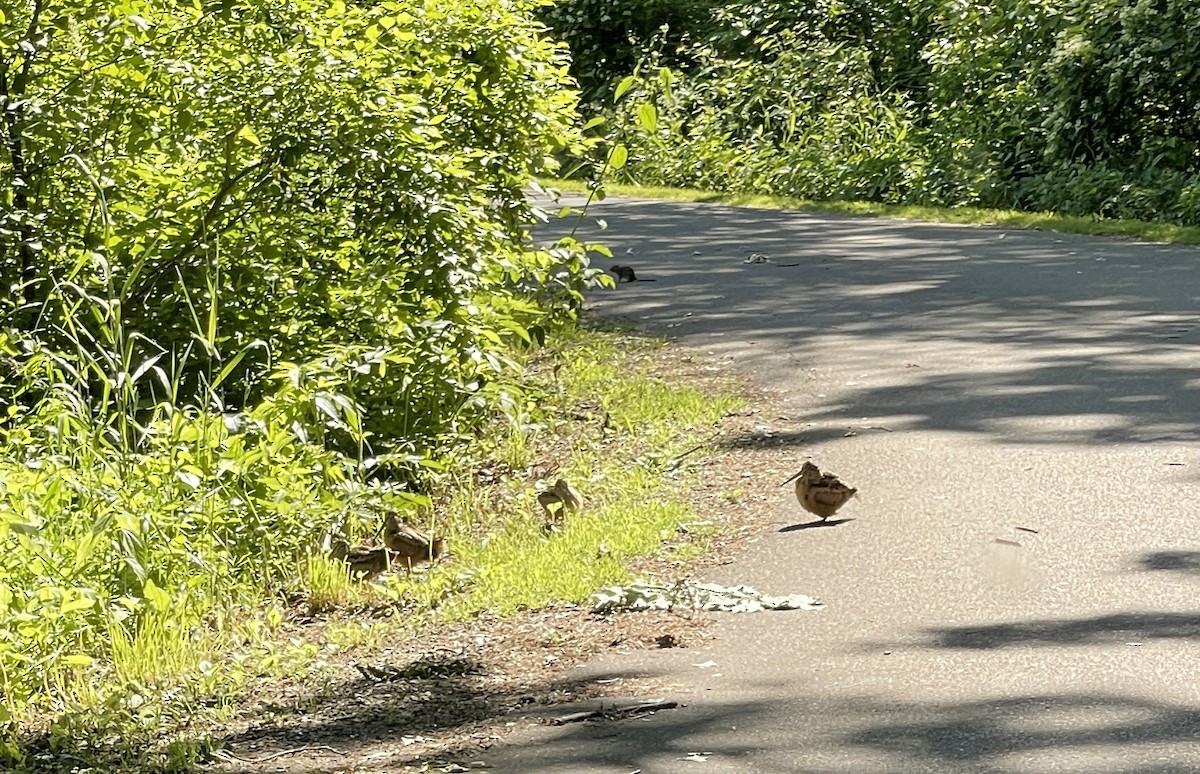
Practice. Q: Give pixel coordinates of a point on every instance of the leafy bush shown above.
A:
(985, 106)
(312, 173)
(781, 123)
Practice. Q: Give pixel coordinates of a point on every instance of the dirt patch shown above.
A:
(449, 694)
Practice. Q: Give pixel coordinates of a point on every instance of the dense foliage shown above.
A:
(610, 37)
(265, 259)
(1075, 106)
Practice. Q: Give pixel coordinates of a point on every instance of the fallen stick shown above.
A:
(281, 753)
(615, 713)
(652, 706)
(575, 717)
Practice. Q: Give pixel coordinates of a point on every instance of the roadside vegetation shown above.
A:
(152, 688)
(270, 277)
(1080, 108)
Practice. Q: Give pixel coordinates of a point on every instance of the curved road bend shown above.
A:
(1029, 379)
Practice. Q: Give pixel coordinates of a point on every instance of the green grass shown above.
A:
(1148, 231)
(505, 559)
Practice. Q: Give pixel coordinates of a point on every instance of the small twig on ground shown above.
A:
(575, 717)
(614, 713)
(282, 753)
(650, 706)
(675, 461)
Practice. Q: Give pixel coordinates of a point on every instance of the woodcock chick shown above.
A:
(821, 494)
(559, 499)
(365, 562)
(408, 545)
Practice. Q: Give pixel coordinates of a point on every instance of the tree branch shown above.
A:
(16, 151)
(204, 228)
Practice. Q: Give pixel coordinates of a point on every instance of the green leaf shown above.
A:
(592, 124)
(189, 478)
(625, 85)
(158, 599)
(77, 659)
(328, 407)
(647, 116)
(518, 329)
(233, 363)
(247, 134)
(78, 603)
(618, 156)
(87, 545)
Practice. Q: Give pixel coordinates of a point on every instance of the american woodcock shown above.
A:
(558, 500)
(409, 545)
(365, 562)
(821, 494)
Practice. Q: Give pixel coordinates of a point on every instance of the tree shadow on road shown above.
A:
(389, 714)
(799, 439)
(759, 440)
(1077, 733)
(1116, 628)
(1013, 735)
(1068, 339)
(1172, 561)
(658, 743)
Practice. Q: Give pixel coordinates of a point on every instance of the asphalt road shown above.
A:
(1025, 379)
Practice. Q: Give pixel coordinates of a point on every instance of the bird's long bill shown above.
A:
(793, 478)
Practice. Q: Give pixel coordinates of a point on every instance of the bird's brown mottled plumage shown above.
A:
(409, 545)
(559, 499)
(365, 562)
(821, 494)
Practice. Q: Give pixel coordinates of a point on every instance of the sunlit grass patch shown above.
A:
(619, 463)
(328, 586)
(528, 566)
(612, 427)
